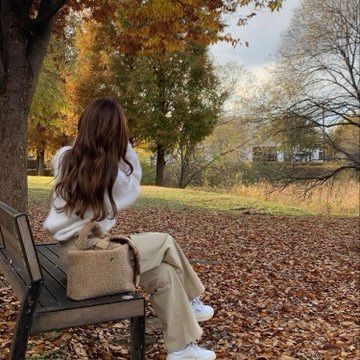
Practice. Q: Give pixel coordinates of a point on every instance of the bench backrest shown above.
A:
(16, 241)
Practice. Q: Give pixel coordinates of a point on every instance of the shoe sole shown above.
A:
(210, 358)
(204, 317)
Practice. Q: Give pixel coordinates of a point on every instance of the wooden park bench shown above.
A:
(39, 281)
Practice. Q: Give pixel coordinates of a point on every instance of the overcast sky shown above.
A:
(263, 35)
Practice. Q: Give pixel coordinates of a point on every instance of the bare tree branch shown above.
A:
(313, 178)
(340, 149)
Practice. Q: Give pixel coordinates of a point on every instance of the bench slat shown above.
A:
(7, 216)
(17, 283)
(58, 291)
(87, 315)
(15, 265)
(20, 280)
(11, 237)
(29, 247)
(46, 297)
(52, 269)
(51, 252)
(17, 259)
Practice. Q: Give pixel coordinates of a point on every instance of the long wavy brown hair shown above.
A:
(89, 169)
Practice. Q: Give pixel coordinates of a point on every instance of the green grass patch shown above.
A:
(206, 200)
(40, 189)
(172, 198)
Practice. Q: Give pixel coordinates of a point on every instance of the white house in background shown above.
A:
(255, 149)
(258, 150)
(269, 151)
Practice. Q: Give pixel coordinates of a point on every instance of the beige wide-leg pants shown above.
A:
(167, 275)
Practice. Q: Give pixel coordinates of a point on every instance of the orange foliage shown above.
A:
(165, 25)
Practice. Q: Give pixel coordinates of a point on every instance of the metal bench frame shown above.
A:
(39, 281)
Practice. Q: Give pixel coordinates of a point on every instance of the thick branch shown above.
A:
(48, 9)
(36, 48)
(316, 179)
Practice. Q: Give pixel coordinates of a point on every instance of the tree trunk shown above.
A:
(184, 170)
(14, 108)
(160, 165)
(41, 161)
(13, 128)
(186, 151)
(21, 56)
(182, 177)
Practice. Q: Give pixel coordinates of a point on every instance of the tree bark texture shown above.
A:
(160, 165)
(22, 50)
(41, 161)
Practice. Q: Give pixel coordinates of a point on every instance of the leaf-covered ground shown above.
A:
(283, 287)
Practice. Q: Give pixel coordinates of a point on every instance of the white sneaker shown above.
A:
(202, 312)
(192, 352)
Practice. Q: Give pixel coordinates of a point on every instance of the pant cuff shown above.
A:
(188, 338)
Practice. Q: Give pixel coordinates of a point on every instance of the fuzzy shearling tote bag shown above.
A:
(104, 268)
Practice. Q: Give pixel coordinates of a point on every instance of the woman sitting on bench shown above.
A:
(95, 178)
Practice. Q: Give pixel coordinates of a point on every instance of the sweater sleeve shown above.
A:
(126, 188)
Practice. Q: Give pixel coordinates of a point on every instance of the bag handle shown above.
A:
(136, 254)
(136, 261)
(81, 240)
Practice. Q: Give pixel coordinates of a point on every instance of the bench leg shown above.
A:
(23, 323)
(137, 338)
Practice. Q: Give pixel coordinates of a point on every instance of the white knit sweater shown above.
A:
(125, 191)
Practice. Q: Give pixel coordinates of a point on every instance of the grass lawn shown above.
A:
(179, 199)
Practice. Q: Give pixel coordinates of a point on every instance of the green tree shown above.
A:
(197, 109)
(294, 135)
(47, 118)
(347, 139)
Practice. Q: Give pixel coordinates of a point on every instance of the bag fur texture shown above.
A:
(105, 268)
